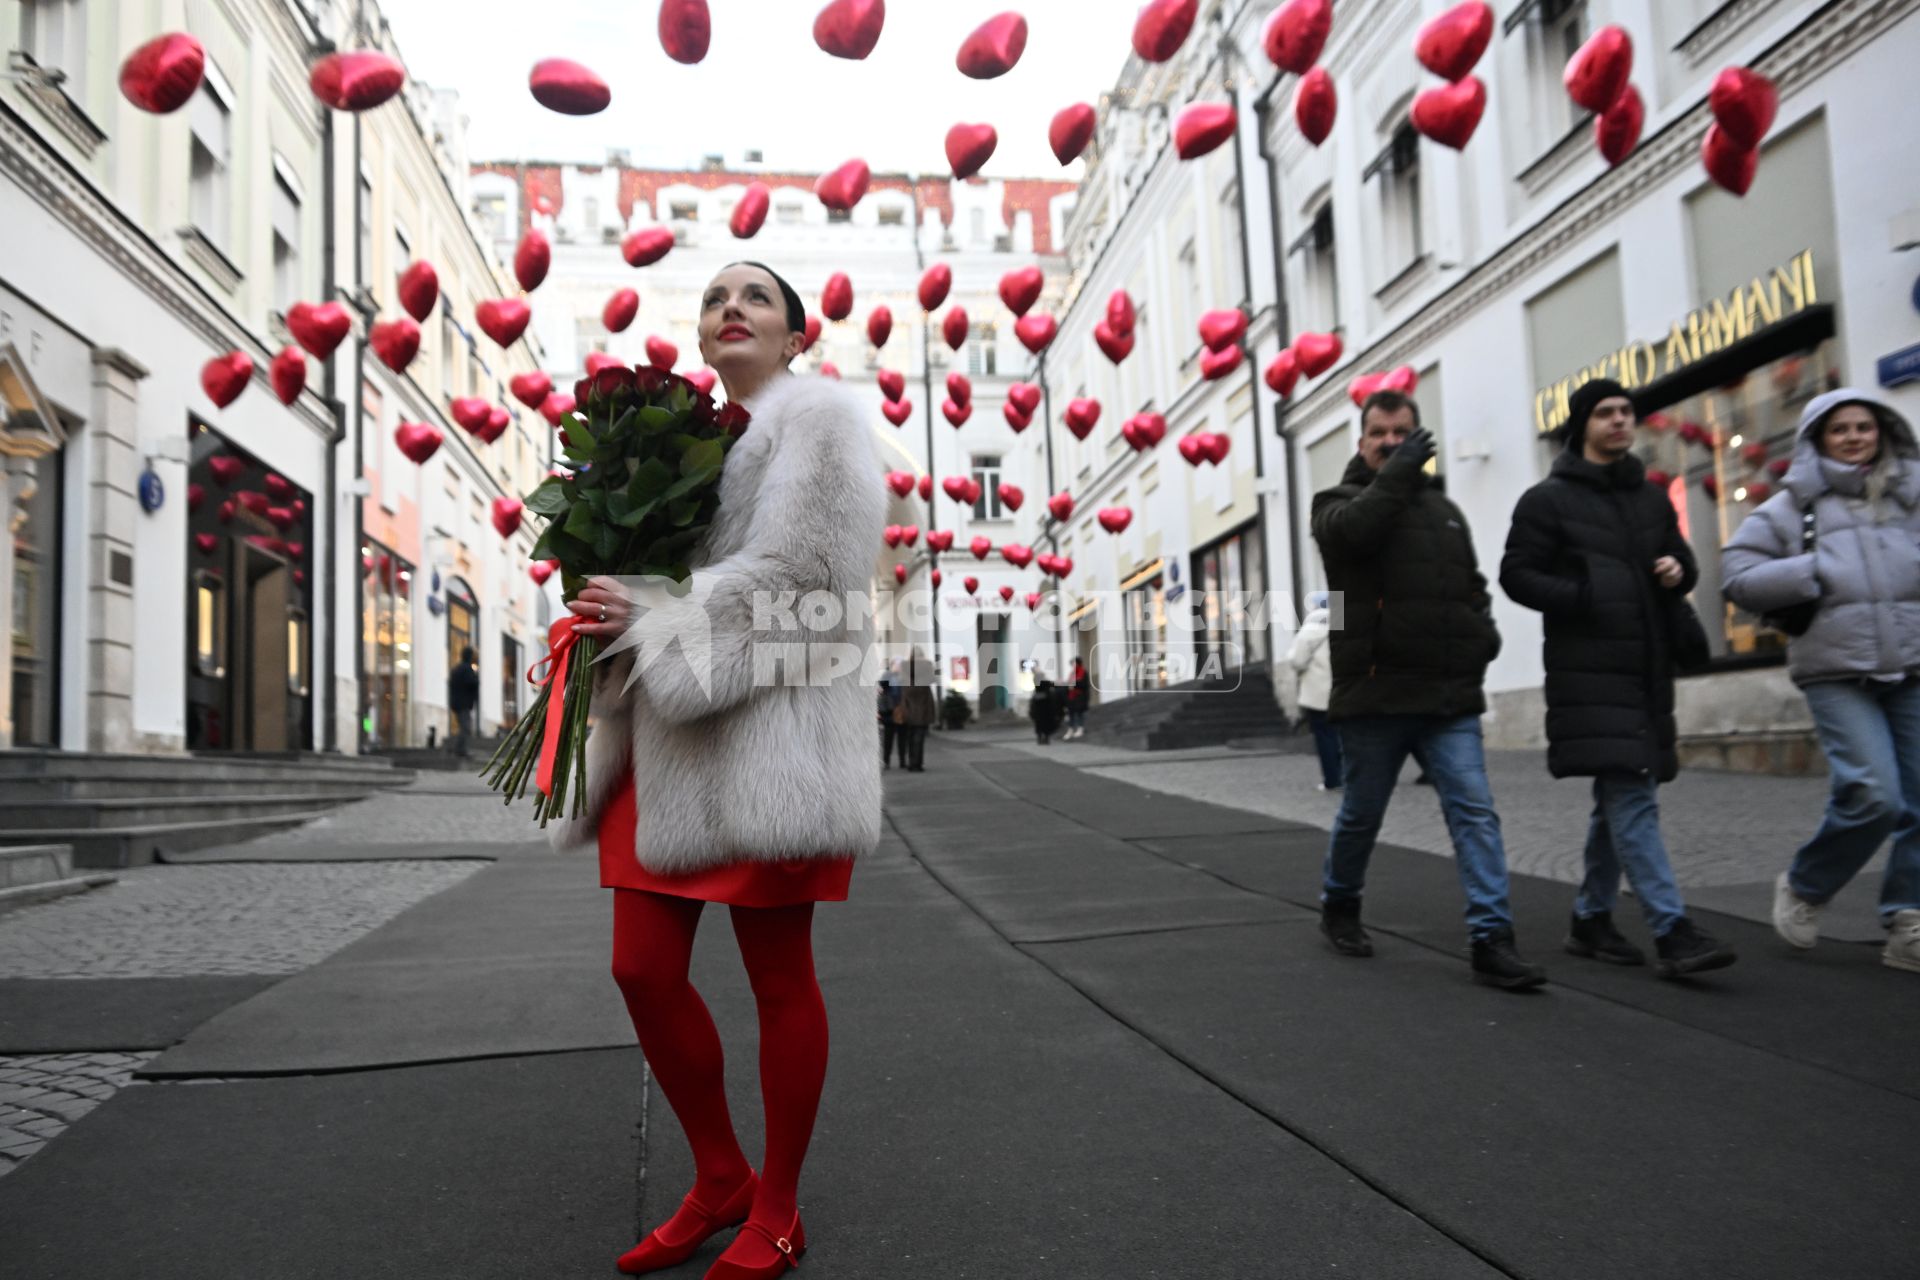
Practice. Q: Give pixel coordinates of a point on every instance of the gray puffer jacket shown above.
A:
(1864, 568)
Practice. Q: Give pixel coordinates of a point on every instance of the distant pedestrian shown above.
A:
(463, 698)
(1043, 710)
(1408, 666)
(1840, 544)
(1599, 552)
(919, 706)
(887, 707)
(1312, 661)
(1079, 695)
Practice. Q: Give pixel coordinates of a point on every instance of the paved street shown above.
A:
(1080, 1023)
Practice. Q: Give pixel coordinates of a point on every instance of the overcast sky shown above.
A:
(764, 84)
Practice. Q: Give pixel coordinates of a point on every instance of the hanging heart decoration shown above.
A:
(356, 80)
(751, 213)
(1011, 496)
(969, 147)
(661, 354)
(959, 388)
(1150, 427)
(557, 406)
(926, 488)
(897, 411)
(957, 414)
(225, 469)
(1115, 346)
(223, 378)
(1617, 132)
(396, 342)
(598, 360)
(288, 374)
(1745, 104)
(278, 487)
(829, 370)
(560, 84)
(1451, 45)
(810, 334)
(470, 413)
(1222, 329)
(1006, 594)
(836, 298)
(1729, 164)
(1215, 445)
(163, 74)
(1115, 519)
(419, 290)
(850, 28)
(1779, 467)
(531, 388)
(1062, 566)
(909, 534)
(939, 539)
(893, 384)
(1316, 104)
(207, 543)
(255, 501)
(845, 187)
(981, 547)
(900, 574)
(540, 571)
(196, 497)
(531, 260)
(1283, 373)
(281, 518)
(620, 310)
(646, 246)
(1202, 128)
(507, 515)
(933, 576)
(417, 440)
(319, 329)
(1191, 450)
(1033, 599)
(1405, 380)
(1450, 113)
(498, 420)
(1021, 289)
(935, 285)
(1317, 352)
(954, 327)
(703, 380)
(1082, 416)
(971, 583)
(225, 511)
(1215, 365)
(503, 319)
(901, 482)
(994, 47)
(1296, 33)
(1026, 395)
(1362, 387)
(1121, 316)
(1710, 485)
(1036, 331)
(879, 326)
(686, 30)
(891, 535)
(1017, 420)
(1597, 74)
(1162, 26)
(955, 487)
(1071, 131)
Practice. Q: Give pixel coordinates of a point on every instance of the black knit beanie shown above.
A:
(1581, 404)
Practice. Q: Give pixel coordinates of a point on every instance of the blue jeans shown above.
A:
(1871, 733)
(1625, 836)
(1375, 747)
(1076, 717)
(1326, 740)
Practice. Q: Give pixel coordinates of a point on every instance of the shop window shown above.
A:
(36, 605)
(209, 623)
(1553, 30)
(1317, 300)
(297, 630)
(986, 473)
(386, 662)
(512, 676)
(210, 182)
(1396, 171)
(1146, 632)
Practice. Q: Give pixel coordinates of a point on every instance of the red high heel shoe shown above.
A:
(792, 1247)
(655, 1254)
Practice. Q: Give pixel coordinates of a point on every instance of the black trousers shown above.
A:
(913, 745)
(889, 736)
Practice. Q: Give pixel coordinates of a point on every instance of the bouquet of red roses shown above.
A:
(644, 450)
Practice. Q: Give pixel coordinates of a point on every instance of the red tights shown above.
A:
(652, 948)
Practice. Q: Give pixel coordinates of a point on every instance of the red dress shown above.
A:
(745, 883)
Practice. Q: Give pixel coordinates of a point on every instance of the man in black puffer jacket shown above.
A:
(1412, 636)
(1598, 551)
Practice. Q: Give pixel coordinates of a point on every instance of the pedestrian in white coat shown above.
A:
(1312, 661)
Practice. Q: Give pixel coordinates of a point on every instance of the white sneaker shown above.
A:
(1794, 918)
(1903, 944)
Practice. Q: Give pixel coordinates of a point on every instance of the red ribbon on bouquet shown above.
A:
(561, 638)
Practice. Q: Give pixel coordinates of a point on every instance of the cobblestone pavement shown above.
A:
(442, 808)
(1721, 828)
(41, 1094)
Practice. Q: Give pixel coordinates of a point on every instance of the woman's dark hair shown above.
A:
(796, 309)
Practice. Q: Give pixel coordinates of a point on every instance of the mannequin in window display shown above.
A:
(1841, 543)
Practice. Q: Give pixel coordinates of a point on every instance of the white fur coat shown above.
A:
(737, 766)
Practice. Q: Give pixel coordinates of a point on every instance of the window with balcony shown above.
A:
(986, 473)
(286, 240)
(210, 194)
(1316, 271)
(1396, 174)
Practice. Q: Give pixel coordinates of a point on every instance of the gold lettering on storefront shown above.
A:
(1785, 291)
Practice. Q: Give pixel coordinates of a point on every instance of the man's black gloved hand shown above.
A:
(1417, 449)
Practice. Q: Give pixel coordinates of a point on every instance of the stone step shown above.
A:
(130, 772)
(94, 814)
(137, 845)
(34, 864)
(25, 791)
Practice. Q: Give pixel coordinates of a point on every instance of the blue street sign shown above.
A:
(152, 492)
(1900, 368)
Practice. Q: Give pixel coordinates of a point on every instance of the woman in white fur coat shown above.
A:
(737, 766)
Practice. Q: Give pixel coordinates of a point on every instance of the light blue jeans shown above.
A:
(1871, 732)
(1374, 749)
(1624, 835)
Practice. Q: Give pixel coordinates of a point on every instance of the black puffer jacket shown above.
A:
(1412, 635)
(1581, 551)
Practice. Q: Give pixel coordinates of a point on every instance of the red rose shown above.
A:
(608, 382)
(582, 390)
(733, 419)
(650, 381)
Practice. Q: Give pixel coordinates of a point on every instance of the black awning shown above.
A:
(1800, 332)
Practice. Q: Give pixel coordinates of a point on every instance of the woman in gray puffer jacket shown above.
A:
(1856, 471)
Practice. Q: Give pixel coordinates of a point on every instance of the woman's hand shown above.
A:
(1668, 572)
(603, 607)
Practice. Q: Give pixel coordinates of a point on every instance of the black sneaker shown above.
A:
(1340, 922)
(1497, 963)
(1596, 939)
(1683, 949)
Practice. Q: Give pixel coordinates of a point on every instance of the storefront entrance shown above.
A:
(1146, 614)
(1229, 616)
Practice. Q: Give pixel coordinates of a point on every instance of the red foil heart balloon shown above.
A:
(255, 502)
(959, 389)
(703, 381)
(531, 259)
(1364, 386)
(891, 535)
(1222, 329)
(1062, 566)
(1036, 331)
(971, 583)
(1745, 104)
(926, 489)
(1191, 449)
(955, 487)
(223, 378)
(897, 412)
(1033, 599)
(1296, 33)
(1450, 113)
(540, 571)
(419, 290)
(957, 414)
(646, 246)
(1015, 419)
(893, 384)
(620, 310)
(909, 534)
(954, 327)
(661, 354)
(969, 147)
(751, 213)
(417, 440)
(845, 187)
(880, 328)
(1405, 380)
(498, 420)
(396, 342)
(1315, 105)
(196, 497)
(901, 482)
(288, 373)
(933, 576)
(557, 406)
(1121, 316)
(1617, 132)
(686, 30)
(1215, 445)
(1071, 131)
(1162, 26)
(1021, 289)
(935, 285)
(993, 48)
(836, 299)
(598, 360)
(1150, 427)
(531, 389)
(471, 413)
(507, 514)
(981, 548)
(281, 518)
(206, 542)
(225, 469)
(560, 84)
(278, 487)
(1006, 594)
(1451, 45)
(900, 574)
(1082, 417)
(163, 74)
(319, 329)
(1012, 495)
(1283, 373)
(810, 334)
(1060, 507)
(937, 539)
(503, 319)
(1317, 352)
(1729, 164)
(828, 369)
(357, 80)
(1596, 76)
(1202, 127)
(1025, 395)
(1215, 365)
(1116, 346)
(850, 28)
(1115, 519)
